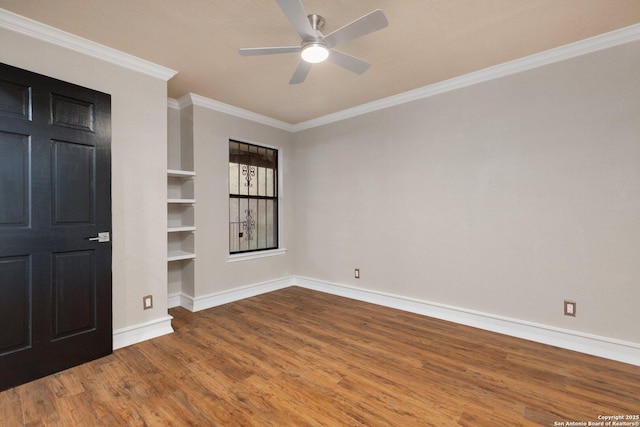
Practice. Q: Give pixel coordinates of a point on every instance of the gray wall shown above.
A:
(505, 197)
(211, 133)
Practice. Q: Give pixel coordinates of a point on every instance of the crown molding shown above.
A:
(572, 50)
(201, 101)
(31, 28)
(173, 104)
(582, 47)
(20, 24)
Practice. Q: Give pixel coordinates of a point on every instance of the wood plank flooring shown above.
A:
(296, 357)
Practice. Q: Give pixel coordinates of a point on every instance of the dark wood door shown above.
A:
(55, 195)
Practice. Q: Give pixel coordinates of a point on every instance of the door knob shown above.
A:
(102, 237)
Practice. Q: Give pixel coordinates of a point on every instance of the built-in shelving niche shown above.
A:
(181, 205)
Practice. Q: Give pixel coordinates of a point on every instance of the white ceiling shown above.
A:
(427, 41)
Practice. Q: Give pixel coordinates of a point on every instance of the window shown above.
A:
(253, 198)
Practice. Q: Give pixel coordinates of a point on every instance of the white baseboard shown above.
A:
(236, 294)
(141, 332)
(178, 299)
(609, 348)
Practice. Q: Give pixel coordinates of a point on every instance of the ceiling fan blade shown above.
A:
(373, 21)
(298, 17)
(253, 51)
(348, 62)
(301, 73)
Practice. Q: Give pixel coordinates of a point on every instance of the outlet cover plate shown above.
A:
(147, 302)
(569, 308)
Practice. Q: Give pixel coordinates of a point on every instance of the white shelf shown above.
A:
(180, 255)
(175, 173)
(178, 229)
(181, 207)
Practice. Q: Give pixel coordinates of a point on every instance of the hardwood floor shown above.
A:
(296, 357)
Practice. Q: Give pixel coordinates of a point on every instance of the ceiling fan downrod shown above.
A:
(316, 21)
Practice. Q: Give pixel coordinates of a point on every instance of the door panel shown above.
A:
(14, 179)
(15, 306)
(72, 113)
(73, 183)
(74, 283)
(55, 194)
(16, 100)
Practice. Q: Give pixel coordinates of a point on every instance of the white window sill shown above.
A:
(255, 255)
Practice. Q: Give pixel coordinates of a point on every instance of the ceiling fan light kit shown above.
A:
(314, 52)
(316, 47)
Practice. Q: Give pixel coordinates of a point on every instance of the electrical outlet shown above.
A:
(569, 308)
(357, 273)
(147, 302)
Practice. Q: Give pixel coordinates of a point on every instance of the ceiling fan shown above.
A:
(315, 46)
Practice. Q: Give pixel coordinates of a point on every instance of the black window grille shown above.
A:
(253, 197)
